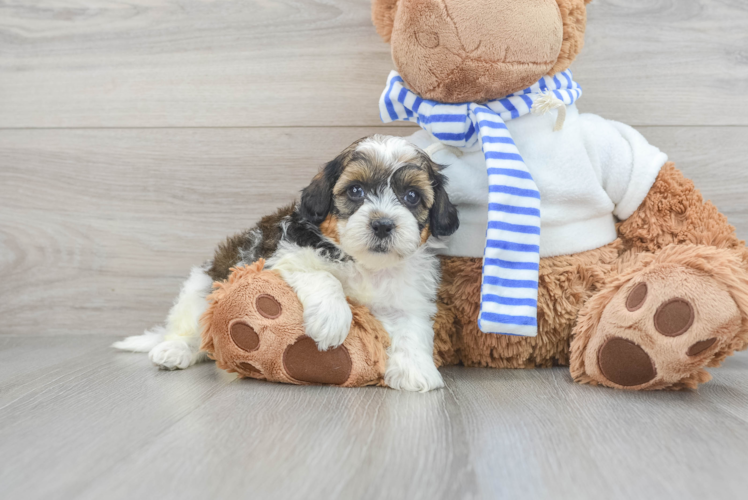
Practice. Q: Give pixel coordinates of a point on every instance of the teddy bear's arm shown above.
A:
(674, 212)
(626, 163)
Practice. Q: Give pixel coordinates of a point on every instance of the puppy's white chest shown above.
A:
(369, 288)
(390, 291)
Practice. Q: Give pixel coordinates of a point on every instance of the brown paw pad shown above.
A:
(245, 337)
(674, 317)
(637, 297)
(305, 363)
(625, 363)
(268, 307)
(700, 347)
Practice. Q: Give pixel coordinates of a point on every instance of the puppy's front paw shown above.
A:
(328, 323)
(173, 355)
(407, 373)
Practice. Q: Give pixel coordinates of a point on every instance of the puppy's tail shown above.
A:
(142, 343)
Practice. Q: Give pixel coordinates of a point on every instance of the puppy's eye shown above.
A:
(356, 193)
(411, 198)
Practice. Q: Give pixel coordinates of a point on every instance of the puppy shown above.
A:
(362, 230)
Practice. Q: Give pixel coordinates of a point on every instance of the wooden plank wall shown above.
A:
(136, 134)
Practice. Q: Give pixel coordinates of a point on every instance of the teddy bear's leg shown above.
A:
(677, 303)
(254, 326)
(565, 283)
(662, 320)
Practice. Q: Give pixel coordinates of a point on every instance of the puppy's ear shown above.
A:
(316, 198)
(383, 15)
(443, 218)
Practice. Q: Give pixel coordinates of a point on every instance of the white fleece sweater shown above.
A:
(590, 174)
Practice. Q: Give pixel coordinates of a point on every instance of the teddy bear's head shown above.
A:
(477, 50)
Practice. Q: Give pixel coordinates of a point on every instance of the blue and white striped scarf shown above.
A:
(509, 291)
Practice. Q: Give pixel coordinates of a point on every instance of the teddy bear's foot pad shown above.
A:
(245, 337)
(661, 329)
(625, 363)
(306, 363)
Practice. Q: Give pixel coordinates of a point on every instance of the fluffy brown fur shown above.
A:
(574, 15)
(675, 213)
(565, 283)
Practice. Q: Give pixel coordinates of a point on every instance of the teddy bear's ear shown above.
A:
(574, 15)
(383, 15)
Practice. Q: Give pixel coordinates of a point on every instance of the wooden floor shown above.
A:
(80, 421)
(135, 134)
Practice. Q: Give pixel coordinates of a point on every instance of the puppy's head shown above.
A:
(380, 200)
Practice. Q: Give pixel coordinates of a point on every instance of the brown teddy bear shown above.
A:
(640, 283)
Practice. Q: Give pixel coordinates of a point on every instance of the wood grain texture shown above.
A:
(99, 227)
(105, 424)
(71, 418)
(190, 63)
(103, 211)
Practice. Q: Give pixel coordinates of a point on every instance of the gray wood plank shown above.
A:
(580, 442)
(728, 391)
(112, 426)
(269, 441)
(50, 354)
(666, 62)
(68, 423)
(99, 227)
(187, 63)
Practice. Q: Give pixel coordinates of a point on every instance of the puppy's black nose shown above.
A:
(382, 227)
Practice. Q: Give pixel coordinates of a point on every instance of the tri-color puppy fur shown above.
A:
(361, 230)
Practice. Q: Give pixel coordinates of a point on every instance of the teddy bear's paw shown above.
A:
(282, 354)
(279, 357)
(254, 327)
(661, 329)
(301, 360)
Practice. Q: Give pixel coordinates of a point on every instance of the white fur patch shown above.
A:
(412, 373)
(142, 343)
(387, 150)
